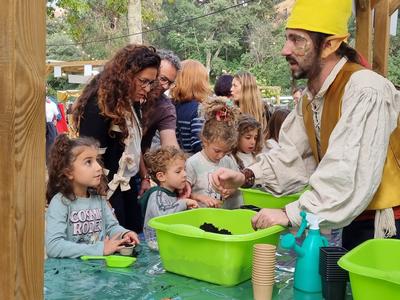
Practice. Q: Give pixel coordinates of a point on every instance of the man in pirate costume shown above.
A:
(342, 139)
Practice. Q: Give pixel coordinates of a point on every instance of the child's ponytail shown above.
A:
(59, 164)
(61, 147)
(220, 120)
(221, 110)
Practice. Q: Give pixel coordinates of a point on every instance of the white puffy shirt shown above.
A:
(349, 174)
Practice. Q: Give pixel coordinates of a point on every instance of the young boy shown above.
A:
(166, 167)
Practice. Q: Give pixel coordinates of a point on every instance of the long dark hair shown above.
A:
(88, 93)
(62, 155)
(275, 123)
(344, 49)
(247, 123)
(113, 86)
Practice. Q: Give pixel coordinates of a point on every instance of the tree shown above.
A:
(394, 58)
(101, 26)
(213, 39)
(135, 21)
(60, 45)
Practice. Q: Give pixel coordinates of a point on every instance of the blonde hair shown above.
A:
(191, 82)
(250, 101)
(220, 121)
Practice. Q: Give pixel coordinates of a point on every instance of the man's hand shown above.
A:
(224, 180)
(269, 217)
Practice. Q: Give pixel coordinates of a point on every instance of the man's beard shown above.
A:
(309, 71)
(156, 92)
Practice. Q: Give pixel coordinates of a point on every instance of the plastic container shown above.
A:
(187, 250)
(306, 274)
(113, 261)
(374, 269)
(267, 200)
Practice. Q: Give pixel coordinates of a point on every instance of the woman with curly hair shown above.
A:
(247, 96)
(109, 110)
(192, 88)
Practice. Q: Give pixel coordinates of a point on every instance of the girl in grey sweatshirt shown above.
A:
(79, 221)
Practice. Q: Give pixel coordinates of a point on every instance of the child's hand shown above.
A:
(190, 203)
(186, 191)
(144, 186)
(114, 244)
(132, 236)
(227, 193)
(210, 202)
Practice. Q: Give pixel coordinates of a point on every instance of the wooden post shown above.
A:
(393, 6)
(22, 148)
(381, 37)
(364, 29)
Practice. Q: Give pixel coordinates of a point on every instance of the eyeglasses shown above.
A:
(144, 83)
(165, 81)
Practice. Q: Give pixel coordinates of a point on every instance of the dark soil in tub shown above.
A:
(212, 228)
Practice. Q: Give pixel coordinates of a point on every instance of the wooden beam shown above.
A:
(363, 4)
(381, 37)
(393, 6)
(22, 148)
(364, 29)
(79, 63)
(73, 66)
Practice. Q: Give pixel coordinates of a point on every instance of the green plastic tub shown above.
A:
(226, 260)
(267, 200)
(374, 269)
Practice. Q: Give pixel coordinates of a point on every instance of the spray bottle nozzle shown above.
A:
(303, 224)
(313, 221)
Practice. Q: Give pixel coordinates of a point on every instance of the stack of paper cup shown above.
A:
(263, 276)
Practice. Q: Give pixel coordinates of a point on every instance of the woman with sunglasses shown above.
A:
(109, 110)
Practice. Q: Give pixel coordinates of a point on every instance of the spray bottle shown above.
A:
(306, 275)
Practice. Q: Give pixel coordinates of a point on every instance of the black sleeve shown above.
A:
(93, 124)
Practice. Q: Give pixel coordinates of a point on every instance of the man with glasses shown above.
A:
(160, 115)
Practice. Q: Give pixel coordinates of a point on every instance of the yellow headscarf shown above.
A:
(325, 16)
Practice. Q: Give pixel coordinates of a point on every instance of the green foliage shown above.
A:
(248, 37)
(394, 58)
(218, 40)
(271, 91)
(59, 84)
(60, 45)
(89, 20)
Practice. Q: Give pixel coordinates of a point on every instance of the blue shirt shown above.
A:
(188, 126)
